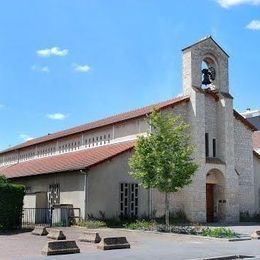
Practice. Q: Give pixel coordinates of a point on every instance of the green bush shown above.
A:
(92, 223)
(11, 204)
(219, 232)
(180, 229)
(141, 225)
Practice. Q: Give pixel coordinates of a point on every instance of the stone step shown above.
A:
(91, 237)
(56, 234)
(60, 247)
(108, 243)
(40, 231)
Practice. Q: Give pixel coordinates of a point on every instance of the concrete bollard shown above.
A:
(91, 237)
(256, 234)
(60, 247)
(40, 231)
(109, 243)
(56, 234)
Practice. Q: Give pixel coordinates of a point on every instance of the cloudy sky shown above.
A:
(67, 62)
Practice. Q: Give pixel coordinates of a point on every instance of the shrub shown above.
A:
(181, 229)
(11, 204)
(92, 223)
(141, 225)
(219, 232)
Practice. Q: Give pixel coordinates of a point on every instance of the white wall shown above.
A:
(71, 188)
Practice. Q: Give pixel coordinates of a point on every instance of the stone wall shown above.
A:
(244, 166)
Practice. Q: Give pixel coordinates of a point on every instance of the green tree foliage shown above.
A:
(11, 204)
(163, 159)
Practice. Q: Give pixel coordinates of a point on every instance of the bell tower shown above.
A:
(205, 65)
(205, 81)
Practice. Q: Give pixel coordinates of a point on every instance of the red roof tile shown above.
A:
(256, 140)
(66, 162)
(101, 123)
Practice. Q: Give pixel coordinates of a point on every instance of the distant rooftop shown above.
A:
(251, 113)
(253, 116)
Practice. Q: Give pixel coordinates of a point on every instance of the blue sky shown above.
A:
(68, 62)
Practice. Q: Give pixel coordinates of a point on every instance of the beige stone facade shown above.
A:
(225, 184)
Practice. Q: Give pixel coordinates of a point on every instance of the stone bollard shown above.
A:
(40, 231)
(256, 234)
(109, 243)
(92, 237)
(60, 247)
(56, 234)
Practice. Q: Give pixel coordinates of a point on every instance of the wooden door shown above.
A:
(210, 202)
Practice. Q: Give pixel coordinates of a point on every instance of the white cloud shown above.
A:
(229, 3)
(254, 25)
(26, 137)
(44, 69)
(80, 68)
(57, 116)
(54, 51)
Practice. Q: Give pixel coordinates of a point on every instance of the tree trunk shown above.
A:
(167, 212)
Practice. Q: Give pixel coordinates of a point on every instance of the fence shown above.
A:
(50, 217)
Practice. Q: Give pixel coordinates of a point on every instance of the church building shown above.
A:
(87, 166)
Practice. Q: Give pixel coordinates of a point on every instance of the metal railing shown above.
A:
(57, 216)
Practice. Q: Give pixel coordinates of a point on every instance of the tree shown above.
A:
(163, 158)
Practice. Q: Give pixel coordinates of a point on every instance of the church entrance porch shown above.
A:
(215, 196)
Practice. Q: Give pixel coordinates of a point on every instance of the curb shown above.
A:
(171, 234)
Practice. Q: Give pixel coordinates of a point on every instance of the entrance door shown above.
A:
(210, 202)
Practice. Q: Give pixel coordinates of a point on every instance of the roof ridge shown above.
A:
(96, 124)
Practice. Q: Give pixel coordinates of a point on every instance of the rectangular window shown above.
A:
(214, 147)
(54, 195)
(207, 144)
(128, 200)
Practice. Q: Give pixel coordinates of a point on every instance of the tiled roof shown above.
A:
(256, 140)
(101, 123)
(72, 161)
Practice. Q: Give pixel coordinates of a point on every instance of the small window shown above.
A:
(128, 200)
(207, 144)
(214, 147)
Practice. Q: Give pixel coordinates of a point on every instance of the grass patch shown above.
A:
(219, 232)
(141, 225)
(92, 224)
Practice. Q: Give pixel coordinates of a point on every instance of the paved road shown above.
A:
(144, 245)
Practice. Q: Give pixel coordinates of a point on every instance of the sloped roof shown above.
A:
(100, 123)
(72, 161)
(203, 40)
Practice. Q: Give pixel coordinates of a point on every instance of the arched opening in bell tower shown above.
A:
(209, 72)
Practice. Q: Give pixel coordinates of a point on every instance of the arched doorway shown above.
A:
(215, 196)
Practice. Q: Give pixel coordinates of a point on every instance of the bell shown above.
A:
(206, 77)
